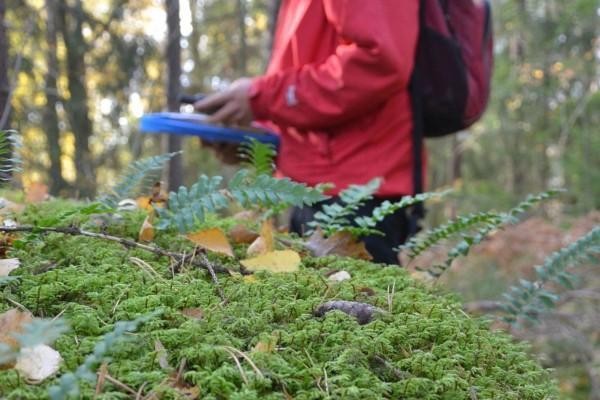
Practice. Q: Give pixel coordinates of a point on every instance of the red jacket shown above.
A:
(337, 91)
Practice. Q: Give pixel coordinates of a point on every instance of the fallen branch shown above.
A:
(201, 261)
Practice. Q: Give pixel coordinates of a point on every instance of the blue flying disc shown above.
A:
(195, 125)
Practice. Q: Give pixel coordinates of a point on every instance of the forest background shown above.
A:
(76, 76)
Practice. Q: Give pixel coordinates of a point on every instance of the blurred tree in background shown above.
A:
(89, 69)
(540, 129)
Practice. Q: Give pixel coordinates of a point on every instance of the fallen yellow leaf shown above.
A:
(145, 203)
(249, 279)
(212, 239)
(146, 231)
(274, 261)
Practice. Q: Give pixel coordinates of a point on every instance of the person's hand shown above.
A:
(233, 104)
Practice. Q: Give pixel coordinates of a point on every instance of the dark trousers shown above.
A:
(396, 228)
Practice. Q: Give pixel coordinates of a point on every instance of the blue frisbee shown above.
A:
(195, 125)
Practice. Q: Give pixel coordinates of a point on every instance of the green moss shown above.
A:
(431, 349)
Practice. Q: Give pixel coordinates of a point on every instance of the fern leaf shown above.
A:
(258, 157)
(267, 191)
(418, 244)
(68, 384)
(528, 298)
(189, 208)
(335, 217)
(140, 174)
(366, 224)
(491, 220)
(10, 161)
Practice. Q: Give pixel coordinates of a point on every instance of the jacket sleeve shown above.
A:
(373, 60)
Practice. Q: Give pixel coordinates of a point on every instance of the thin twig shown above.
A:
(245, 356)
(390, 296)
(120, 385)
(203, 263)
(101, 378)
(140, 391)
(59, 314)
(237, 362)
(206, 262)
(21, 306)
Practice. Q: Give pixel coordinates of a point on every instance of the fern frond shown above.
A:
(491, 220)
(258, 157)
(528, 298)
(188, 208)
(365, 225)
(267, 191)
(140, 174)
(337, 217)
(10, 160)
(68, 384)
(418, 244)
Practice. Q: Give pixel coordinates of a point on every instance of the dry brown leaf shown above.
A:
(341, 244)
(102, 372)
(7, 265)
(193, 313)
(274, 261)
(6, 242)
(246, 215)
(265, 242)
(257, 247)
(147, 230)
(10, 207)
(35, 363)
(12, 322)
(212, 239)
(159, 196)
(161, 354)
(240, 234)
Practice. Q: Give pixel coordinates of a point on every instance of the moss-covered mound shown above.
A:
(426, 348)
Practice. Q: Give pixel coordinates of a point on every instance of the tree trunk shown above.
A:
(173, 142)
(77, 105)
(51, 128)
(243, 49)
(4, 82)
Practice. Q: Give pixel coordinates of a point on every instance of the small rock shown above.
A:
(38, 363)
(339, 276)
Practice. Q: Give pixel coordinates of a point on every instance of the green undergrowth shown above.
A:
(426, 348)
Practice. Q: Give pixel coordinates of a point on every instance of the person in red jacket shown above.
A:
(337, 92)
